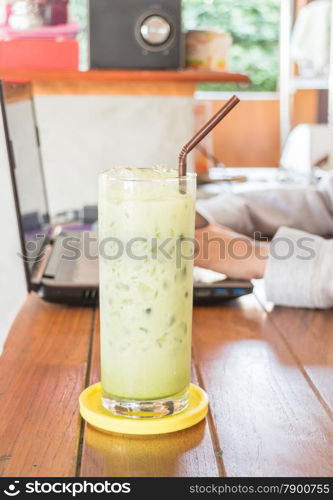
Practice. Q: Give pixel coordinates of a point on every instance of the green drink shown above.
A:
(146, 231)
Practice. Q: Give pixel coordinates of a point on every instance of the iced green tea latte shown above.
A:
(146, 232)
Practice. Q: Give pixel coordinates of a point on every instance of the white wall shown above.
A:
(82, 135)
(12, 278)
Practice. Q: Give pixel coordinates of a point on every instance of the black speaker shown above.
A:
(136, 34)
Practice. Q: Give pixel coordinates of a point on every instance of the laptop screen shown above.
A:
(23, 144)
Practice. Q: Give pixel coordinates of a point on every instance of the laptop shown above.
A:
(61, 264)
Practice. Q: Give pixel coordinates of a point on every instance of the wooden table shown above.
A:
(268, 374)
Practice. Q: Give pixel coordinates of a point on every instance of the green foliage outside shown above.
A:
(79, 13)
(253, 25)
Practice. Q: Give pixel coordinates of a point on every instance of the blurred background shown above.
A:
(126, 82)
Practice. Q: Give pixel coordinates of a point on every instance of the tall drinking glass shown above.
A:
(146, 233)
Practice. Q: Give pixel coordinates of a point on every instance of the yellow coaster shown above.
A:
(92, 411)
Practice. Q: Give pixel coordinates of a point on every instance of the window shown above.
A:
(79, 12)
(254, 27)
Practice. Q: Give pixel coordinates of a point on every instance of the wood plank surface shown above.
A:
(268, 376)
(309, 334)
(42, 372)
(122, 75)
(269, 420)
(186, 453)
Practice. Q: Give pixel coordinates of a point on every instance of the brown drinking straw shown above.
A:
(208, 127)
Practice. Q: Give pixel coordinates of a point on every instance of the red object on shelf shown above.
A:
(57, 32)
(39, 54)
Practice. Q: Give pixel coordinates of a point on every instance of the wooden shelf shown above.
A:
(115, 75)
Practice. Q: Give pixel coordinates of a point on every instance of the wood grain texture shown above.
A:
(42, 372)
(267, 373)
(309, 334)
(185, 453)
(269, 420)
(119, 75)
